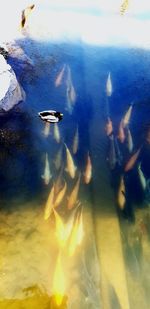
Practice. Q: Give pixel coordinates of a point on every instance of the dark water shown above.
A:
(118, 241)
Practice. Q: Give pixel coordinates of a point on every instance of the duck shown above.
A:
(50, 116)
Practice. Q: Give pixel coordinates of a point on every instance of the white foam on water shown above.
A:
(65, 20)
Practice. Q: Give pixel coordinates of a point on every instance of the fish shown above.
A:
(58, 183)
(141, 177)
(64, 230)
(59, 77)
(73, 239)
(49, 204)
(88, 170)
(121, 133)
(69, 105)
(109, 86)
(108, 127)
(127, 116)
(130, 164)
(69, 78)
(25, 14)
(70, 222)
(70, 92)
(112, 159)
(71, 98)
(121, 194)
(124, 7)
(60, 230)
(76, 235)
(47, 174)
(56, 133)
(119, 156)
(80, 229)
(59, 284)
(69, 227)
(60, 195)
(47, 129)
(71, 169)
(75, 142)
(129, 140)
(58, 159)
(74, 194)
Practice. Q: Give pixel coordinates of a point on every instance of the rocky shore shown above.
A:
(11, 93)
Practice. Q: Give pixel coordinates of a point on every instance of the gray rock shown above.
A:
(16, 52)
(11, 93)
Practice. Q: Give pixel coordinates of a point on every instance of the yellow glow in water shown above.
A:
(80, 231)
(60, 230)
(76, 236)
(59, 282)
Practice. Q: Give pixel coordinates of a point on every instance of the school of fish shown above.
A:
(63, 184)
(118, 138)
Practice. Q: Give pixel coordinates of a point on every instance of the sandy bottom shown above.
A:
(27, 261)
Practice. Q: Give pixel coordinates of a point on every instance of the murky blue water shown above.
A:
(118, 241)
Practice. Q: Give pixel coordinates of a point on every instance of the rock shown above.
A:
(20, 62)
(3, 51)
(16, 52)
(11, 92)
